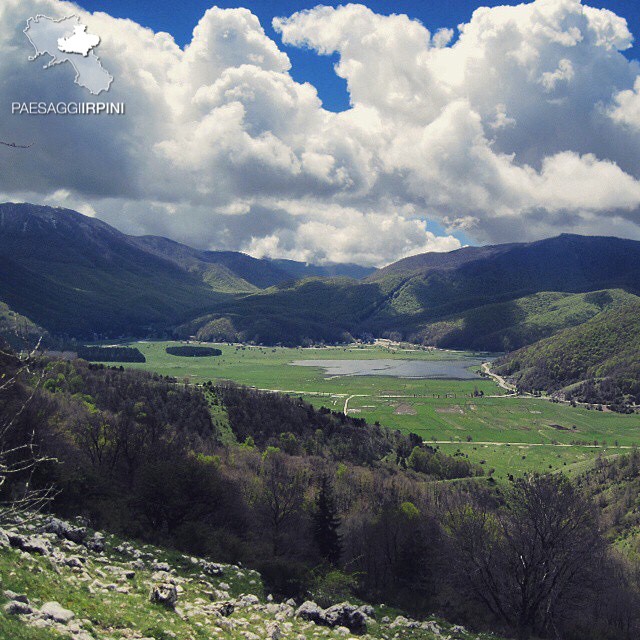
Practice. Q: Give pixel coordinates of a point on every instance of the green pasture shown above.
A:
(510, 435)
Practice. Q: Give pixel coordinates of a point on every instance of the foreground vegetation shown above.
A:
(323, 505)
(108, 591)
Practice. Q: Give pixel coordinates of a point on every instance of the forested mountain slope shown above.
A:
(596, 361)
(77, 276)
(491, 298)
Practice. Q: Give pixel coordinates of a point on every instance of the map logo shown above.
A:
(67, 41)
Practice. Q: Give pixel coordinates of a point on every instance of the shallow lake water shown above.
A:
(421, 369)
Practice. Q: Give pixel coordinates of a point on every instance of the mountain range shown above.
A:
(494, 298)
(77, 276)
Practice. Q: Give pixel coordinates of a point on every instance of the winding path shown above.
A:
(499, 380)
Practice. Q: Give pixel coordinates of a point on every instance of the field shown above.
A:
(510, 435)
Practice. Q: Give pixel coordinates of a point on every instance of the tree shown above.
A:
(532, 562)
(326, 524)
(283, 485)
(20, 418)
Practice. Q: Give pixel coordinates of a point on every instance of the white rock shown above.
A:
(17, 608)
(56, 612)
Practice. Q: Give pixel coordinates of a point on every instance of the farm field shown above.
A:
(510, 435)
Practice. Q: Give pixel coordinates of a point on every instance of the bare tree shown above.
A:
(19, 452)
(283, 486)
(530, 563)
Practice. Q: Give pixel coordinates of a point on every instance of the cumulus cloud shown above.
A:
(523, 114)
(525, 124)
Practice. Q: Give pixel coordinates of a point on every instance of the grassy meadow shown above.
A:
(510, 435)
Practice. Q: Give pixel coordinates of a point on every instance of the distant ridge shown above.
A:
(77, 275)
(424, 262)
(257, 272)
(435, 298)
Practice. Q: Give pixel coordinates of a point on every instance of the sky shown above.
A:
(307, 66)
(336, 133)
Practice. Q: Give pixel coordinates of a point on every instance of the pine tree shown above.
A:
(326, 523)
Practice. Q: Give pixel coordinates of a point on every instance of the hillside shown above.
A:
(491, 298)
(614, 484)
(510, 325)
(567, 263)
(62, 580)
(18, 331)
(310, 310)
(596, 361)
(76, 275)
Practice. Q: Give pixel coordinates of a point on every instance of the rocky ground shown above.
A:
(60, 580)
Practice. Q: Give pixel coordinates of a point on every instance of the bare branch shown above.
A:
(19, 456)
(13, 145)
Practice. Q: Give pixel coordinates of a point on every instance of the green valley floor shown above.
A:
(473, 418)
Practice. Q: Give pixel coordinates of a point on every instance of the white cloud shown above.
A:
(625, 109)
(527, 125)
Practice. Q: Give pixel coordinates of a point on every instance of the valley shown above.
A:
(473, 418)
(333, 333)
(353, 434)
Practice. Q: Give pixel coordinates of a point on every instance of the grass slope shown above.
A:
(109, 594)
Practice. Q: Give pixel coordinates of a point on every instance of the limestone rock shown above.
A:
(164, 593)
(273, 631)
(17, 597)
(17, 608)
(212, 569)
(310, 611)
(96, 543)
(56, 612)
(65, 531)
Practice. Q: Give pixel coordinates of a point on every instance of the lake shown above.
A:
(421, 369)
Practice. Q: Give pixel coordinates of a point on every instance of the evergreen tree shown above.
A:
(326, 523)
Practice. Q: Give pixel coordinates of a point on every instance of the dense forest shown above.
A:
(596, 362)
(110, 354)
(191, 351)
(322, 504)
